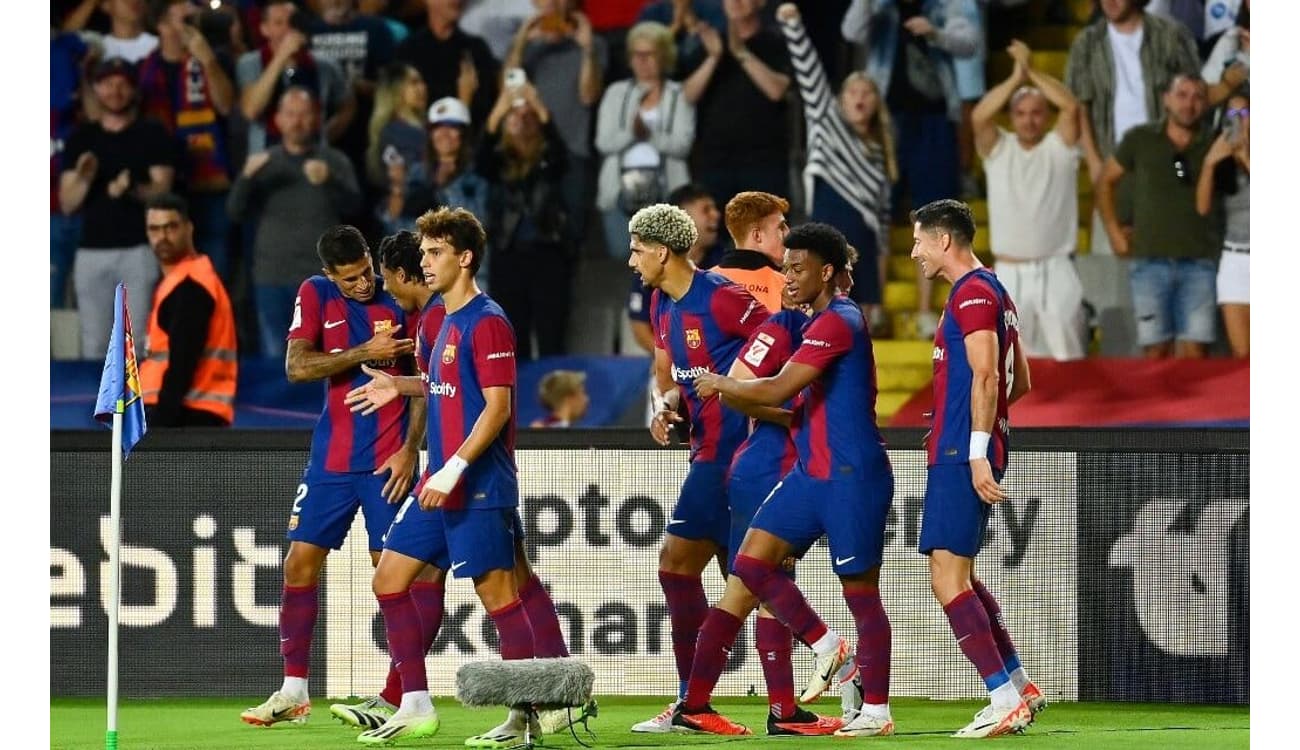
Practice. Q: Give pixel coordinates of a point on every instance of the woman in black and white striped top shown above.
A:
(851, 163)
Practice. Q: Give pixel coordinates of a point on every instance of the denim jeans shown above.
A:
(1173, 299)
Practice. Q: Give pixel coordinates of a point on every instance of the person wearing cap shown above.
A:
(113, 166)
(563, 394)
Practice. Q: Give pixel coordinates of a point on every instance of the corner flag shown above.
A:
(119, 386)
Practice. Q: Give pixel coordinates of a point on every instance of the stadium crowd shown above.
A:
(553, 121)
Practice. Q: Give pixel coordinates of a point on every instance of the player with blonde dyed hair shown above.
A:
(699, 320)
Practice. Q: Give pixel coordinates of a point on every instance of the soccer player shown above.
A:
(979, 369)
(399, 262)
(341, 320)
(760, 462)
(841, 486)
(464, 519)
(699, 319)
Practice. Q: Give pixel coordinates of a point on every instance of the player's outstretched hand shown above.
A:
(401, 468)
(981, 477)
(368, 398)
(661, 426)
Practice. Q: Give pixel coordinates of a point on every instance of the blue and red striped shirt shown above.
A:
(474, 350)
(978, 302)
(836, 433)
(323, 316)
(702, 332)
(769, 446)
(426, 333)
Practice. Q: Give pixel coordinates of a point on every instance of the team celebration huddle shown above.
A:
(774, 366)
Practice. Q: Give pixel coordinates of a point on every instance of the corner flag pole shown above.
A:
(114, 574)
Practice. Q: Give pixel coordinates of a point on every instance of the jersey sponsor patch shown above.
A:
(758, 351)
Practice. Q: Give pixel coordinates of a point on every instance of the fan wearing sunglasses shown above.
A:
(1174, 248)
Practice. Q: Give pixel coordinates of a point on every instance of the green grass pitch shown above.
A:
(200, 724)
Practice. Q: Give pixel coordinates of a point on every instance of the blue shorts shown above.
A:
(465, 543)
(702, 511)
(851, 513)
(1174, 299)
(954, 516)
(746, 495)
(327, 501)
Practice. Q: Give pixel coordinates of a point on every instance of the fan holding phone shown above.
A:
(1225, 179)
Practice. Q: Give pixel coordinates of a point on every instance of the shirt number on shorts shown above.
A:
(298, 497)
(402, 511)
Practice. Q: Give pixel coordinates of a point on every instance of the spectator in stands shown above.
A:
(397, 125)
(532, 252)
(117, 163)
(1174, 248)
(68, 54)
(563, 393)
(742, 130)
(1118, 68)
(851, 164)
(297, 189)
(644, 131)
(687, 19)
(452, 62)
(565, 61)
(447, 177)
(968, 77)
(757, 225)
(1227, 69)
(611, 20)
(188, 375)
(1033, 200)
(1225, 177)
(911, 45)
(127, 37)
(282, 62)
(359, 44)
(185, 86)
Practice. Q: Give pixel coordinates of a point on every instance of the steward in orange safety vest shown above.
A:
(189, 372)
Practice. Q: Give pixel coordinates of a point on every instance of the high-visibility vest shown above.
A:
(213, 389)
(765, 283)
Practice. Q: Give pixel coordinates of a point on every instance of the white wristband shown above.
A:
(979, 445)
(444, 479)
(459, 465)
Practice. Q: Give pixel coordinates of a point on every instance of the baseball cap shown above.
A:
(113, 66)
(449, 111)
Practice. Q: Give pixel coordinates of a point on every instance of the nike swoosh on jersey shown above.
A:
(334, 323)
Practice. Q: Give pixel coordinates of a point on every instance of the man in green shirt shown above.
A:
(1174, 249)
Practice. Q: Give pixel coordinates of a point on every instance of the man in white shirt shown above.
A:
(1032, 176)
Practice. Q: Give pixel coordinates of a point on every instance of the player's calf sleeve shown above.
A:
(428, 599)
(687, 608)
(782, 598)
(1006, 648)
(874, 640)
(717, 635)
(774, 643)
(514, 631)
(298, 608)
(970, 624)
(548, 638)
(402, 625)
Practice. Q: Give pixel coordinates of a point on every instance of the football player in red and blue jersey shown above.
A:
(699, 320)
(766, 455)
(463, 519)
(842, 484)
(979, 370)
(400, 264)
(341, 321)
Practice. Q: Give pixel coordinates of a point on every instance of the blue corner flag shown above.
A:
(119, 386)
